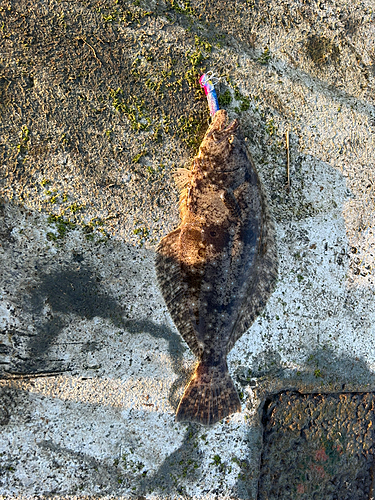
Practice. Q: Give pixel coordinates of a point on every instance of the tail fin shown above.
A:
(209, 396)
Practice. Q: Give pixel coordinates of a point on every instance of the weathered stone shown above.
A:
(317, 446)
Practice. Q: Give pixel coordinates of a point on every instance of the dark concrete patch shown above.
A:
(322, 51)
(91, 470)
(5, 228)
(67, 291)
(317, 446)
(76, 291)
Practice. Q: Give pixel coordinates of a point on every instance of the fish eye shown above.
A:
(213, 233)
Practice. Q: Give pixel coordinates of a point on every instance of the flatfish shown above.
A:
(218, 268)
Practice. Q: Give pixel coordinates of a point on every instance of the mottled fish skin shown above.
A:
(218, 268)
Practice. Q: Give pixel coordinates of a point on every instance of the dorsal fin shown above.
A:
(182, 177)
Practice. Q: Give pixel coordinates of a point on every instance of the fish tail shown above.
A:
(209, 397)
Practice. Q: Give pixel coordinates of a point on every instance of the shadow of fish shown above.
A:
(217, 269)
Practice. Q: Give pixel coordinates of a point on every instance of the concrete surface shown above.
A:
(99, 103)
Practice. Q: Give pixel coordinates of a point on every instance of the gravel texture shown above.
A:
(318, 446)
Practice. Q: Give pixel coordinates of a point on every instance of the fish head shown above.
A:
(217, 144)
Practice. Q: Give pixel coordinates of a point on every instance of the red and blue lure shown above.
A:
(207, 82)
(182, 176)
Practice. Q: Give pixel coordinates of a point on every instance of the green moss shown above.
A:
(51, 236)
(139, 156)
(62, 225)
(244, 101)
(202, 43)
(135, 112)
(132, 465)
(245, 104)
(187, 465)
(265, 57)
(153, 85)
(271, 127)
(225, 99)
(196, 59)
(25, 134)
(182, 7)
(74, 207)
(244, 466)
(189, 130)
(22, 147)
(154, 171)
(117, 14)
(157, 135)
(64, 138)
(143, 233)
(219, 39)
(216, 460)
(94, 228)
(53, 199)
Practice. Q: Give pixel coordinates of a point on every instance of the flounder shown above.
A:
(218, 268)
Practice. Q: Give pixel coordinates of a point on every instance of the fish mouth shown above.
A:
(221, 127)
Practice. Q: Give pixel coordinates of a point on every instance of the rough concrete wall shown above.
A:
(99, 104)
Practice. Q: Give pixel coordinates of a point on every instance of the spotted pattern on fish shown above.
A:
(218, 268)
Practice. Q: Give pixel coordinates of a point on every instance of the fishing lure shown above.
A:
(207, 81)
